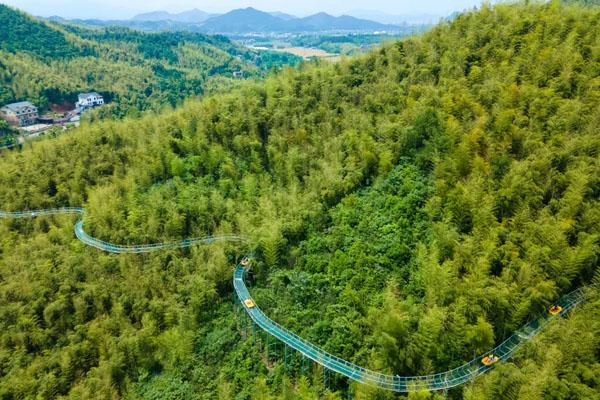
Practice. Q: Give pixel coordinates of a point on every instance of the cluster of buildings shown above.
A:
(24, 113)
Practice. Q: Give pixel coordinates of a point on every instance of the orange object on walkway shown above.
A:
(555, 310)
(490, 360)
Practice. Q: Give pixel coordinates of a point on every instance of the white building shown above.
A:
(89, 100)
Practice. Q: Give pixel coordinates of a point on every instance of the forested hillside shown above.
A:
(407, 210)
(48, 63)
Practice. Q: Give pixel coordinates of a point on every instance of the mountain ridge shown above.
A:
(249, 20)
(191, 16)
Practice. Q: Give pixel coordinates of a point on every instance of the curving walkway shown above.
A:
(440, 381)
(117, 248)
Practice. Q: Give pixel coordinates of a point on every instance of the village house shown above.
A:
(89, 100)
(19, 114)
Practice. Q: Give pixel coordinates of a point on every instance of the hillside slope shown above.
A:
(406, 209)
(48, 63)
(23, 33)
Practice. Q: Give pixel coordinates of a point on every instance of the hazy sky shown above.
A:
(117, 9)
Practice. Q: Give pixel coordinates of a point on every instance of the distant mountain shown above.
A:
(250, 20)
(241, 21)
(146, 26)
(385, 18)
(194, 15)
(152, 16)
(283, 16)
(191, 16)
(323, 22)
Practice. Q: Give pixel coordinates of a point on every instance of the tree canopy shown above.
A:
(407, 209)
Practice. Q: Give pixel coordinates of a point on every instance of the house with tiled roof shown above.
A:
(89, 100)
(22, 113)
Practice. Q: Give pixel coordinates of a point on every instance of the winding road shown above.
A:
(440, 381)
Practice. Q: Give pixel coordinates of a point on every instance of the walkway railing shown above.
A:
(443, 380)
(118, 248)
(440, 381)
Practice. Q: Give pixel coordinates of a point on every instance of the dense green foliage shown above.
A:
(8, 134)
(47, 63)
(351, 44)
(347, 44)
(584, 2)
(22, 33)
(407, 209)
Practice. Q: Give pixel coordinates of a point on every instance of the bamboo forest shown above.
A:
(420, 220)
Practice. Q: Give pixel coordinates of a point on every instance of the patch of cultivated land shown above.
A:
(306, 52)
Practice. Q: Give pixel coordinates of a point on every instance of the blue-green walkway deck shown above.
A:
(440, 381)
